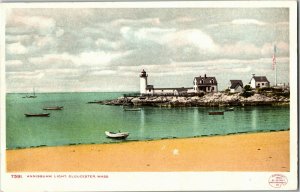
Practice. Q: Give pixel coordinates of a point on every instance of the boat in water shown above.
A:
(119, 135)
(229, 109)
(53, 108)
(216, 113)
(132, 109)
(31, 96)
(37, 114)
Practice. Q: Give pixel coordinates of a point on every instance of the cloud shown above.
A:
(16, 48)
(13, 63)
(247, 22)
(66, 60)
(135, 22)
(106, 44)
(173, 44)
(41, 24)
(193, 37)
(16, 38)
(42, 41)
(59, 32)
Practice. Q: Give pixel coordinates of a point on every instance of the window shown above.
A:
(258, 84)
(208, 88)
(212, 88)
(262, 84)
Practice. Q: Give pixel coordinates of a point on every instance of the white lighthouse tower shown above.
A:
(143, 82)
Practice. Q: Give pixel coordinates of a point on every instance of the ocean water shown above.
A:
(82, 123)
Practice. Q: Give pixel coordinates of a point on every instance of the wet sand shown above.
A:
(244, 152)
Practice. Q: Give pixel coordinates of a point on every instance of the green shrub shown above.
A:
(247, 94)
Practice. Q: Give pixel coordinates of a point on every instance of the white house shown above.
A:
(236, 86)
(205, 84)
(259, 82)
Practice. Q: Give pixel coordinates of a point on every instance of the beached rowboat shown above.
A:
(120, 135)
(37, 114)
(53, 108)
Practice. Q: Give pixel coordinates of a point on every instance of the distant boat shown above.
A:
(53, 108)
(229, 109)
(31, 96)
(132, 109)
(120, 135)
(216, 113)
(37, 114)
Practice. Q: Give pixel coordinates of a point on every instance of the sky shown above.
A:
(74, 50)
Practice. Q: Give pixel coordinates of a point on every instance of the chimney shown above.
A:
(204, 76)
(253, 75)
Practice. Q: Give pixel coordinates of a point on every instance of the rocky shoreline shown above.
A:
(211, 99)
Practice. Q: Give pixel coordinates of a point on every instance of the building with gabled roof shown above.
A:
(236, 86)
(259, 82)
(205, 84)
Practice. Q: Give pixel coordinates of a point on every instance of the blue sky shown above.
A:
(64, 50)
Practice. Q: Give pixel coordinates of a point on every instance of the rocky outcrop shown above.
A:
(211, 99)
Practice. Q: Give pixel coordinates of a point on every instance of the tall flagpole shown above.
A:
(274, 64)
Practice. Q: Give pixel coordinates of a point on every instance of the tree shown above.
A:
(247, 88)
(247, 91)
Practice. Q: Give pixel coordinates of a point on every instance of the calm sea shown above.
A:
(82, 123)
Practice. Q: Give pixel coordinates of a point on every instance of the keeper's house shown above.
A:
(201, 84)
(205, 84)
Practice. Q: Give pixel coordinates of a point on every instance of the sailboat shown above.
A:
(31, 96)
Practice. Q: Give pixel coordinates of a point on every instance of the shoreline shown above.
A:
(206, 100)
(164, 138)
(264, 151)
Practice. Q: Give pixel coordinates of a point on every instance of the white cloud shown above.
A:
(99, 57)
(193, 37)
(239, 50)
(108, 44)
(59, 32)
(48, 60)
(25, 75)
(16, 48)
(247, 22)
(152, 21)
(13, 63)
(42, 41)
(170, 37)
(40, 23)
(66, 60)
(104, 72)
(17, 38)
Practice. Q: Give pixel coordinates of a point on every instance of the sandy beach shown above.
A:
(244, 152)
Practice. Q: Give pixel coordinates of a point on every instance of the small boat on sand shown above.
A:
(132, 109)
(119, 135)
(53, 108)
(37, 114)
(216, 113)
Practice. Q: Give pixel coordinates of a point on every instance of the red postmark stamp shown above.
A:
(278, 180)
